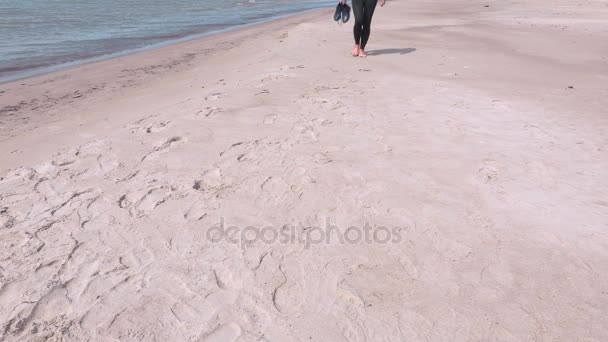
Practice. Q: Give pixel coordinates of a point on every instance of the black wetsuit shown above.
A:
(363, 10)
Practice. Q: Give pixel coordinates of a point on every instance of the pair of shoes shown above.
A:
(342, 12)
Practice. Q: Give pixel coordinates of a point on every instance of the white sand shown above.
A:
(461, 130)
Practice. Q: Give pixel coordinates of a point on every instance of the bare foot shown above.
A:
(362, 53)
(355, 52)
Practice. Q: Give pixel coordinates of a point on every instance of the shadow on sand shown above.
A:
(390, 51)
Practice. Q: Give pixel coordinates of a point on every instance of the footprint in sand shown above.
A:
(224, 333)
(210, 179)
(386, 148)
(324, 103)
(270, 119)
(321, 158)
(166, 145)
(249, 151)
(96, 157)
(274, 191)
(6, 220)
(199, 209)
(308, 133)
(253, 318)
(154, 127)
(489, 172)
(299, 180)
(144, 201)
(537, 132)
(158, 127)
(350, 329)
(215, 96)
(285, 282)
(287, 298)
(208, 111)
(320, 122)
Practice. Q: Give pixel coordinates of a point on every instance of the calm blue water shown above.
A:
(40, 33)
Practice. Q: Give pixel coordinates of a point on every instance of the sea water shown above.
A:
(36, 35)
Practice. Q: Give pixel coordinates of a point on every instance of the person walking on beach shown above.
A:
(363, 10)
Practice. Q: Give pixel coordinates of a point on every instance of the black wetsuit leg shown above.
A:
(363, 11)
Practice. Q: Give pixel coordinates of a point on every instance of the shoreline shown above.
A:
(49, 69)
(100, 81)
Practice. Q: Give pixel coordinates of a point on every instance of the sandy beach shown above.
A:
(264, 185)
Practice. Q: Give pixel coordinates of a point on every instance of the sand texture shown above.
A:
(476, 132)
